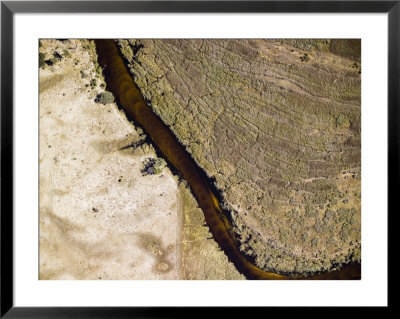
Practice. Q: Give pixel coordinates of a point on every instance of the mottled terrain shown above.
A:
(276, 124)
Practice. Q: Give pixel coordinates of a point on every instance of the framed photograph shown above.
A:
(165, 157)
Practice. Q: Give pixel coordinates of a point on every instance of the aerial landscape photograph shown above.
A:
(199, 159)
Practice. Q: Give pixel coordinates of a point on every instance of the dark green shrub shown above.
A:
(50, 62)
(105, 98)
(305, 58)
(93, 83)
(86, 45)
(97, 68)
(357, 66)
(66, 53)
(57, 56)
(42, 64)
(153, 166)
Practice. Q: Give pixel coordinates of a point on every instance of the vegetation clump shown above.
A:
(153, 166)
(357, 67)
(341, 120)
(42, 63)
(51, 61)
(305, 58)
(97, 68)
(83, 74)
(93, 84)
(57, 56)
(66, 53)
(126, 49)
(105, 98)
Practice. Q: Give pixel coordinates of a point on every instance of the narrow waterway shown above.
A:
(120, 83)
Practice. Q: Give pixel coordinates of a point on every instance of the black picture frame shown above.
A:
(9, 8)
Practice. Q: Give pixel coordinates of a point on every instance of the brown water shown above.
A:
(120, 83)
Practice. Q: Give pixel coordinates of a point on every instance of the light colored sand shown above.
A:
(99, 217)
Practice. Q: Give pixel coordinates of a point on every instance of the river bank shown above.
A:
(276, 125)
(104, 214)
(209, 199)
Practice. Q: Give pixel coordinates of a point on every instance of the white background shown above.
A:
(371, 290)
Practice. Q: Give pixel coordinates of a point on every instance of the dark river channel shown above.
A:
(120, 83)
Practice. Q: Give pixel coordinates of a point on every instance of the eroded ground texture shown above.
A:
(109, 208)
(277, 124)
